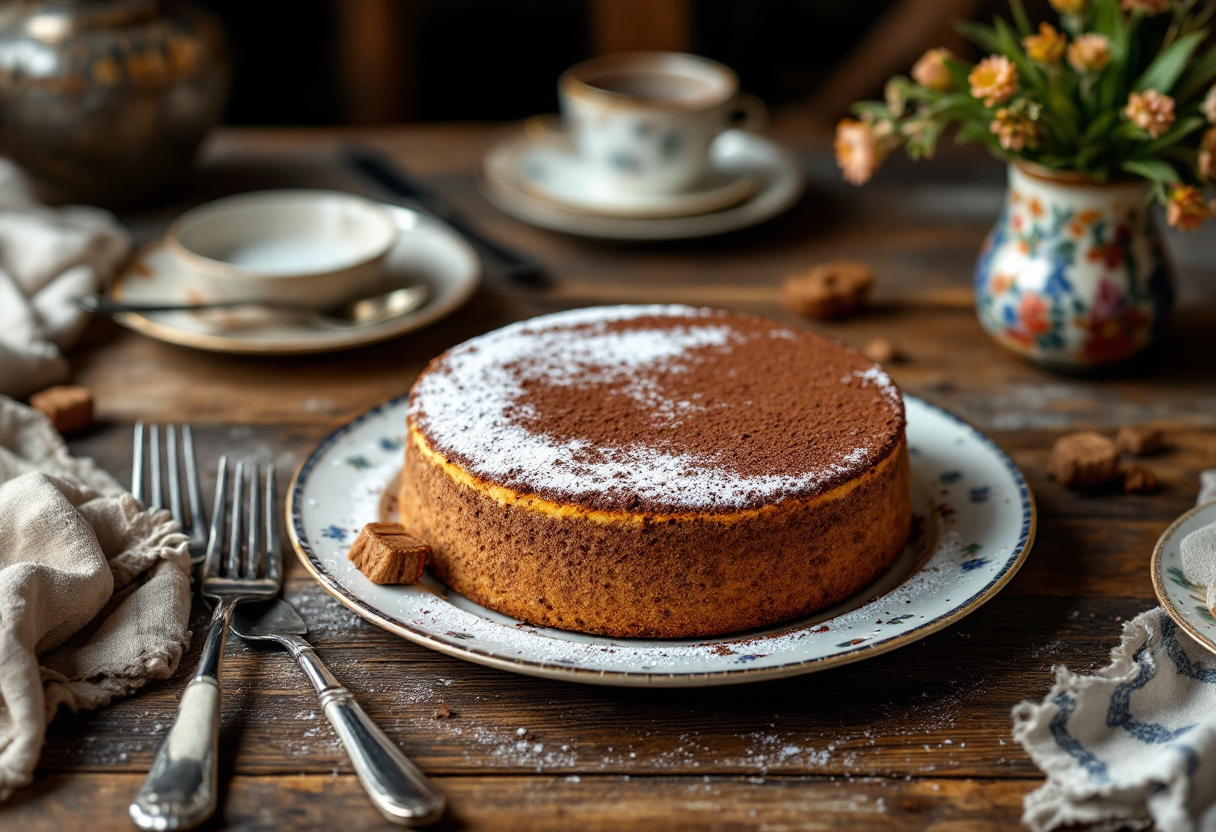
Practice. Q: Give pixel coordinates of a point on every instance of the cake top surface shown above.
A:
(658, 409)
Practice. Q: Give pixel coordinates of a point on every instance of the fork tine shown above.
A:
(215, 545)
(154, 452)
(137, 463)
(233, 569)
(175, 488)
(198, 519)
(253, 557)
(274, 558)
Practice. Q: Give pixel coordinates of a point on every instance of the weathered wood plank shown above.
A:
(98, 803)
(934, 708)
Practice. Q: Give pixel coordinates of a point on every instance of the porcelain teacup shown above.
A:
(643, 122)
(311, 247)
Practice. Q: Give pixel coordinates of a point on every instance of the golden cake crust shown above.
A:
(744, 540)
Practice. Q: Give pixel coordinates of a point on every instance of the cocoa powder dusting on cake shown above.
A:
(659, 409)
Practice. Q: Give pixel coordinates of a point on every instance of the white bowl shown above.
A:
(314, 248)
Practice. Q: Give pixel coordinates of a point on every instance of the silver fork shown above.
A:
(180, 791)
(190, 516)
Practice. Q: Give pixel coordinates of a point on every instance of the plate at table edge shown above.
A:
(448, 294)
(980, 527)
(1174, 591)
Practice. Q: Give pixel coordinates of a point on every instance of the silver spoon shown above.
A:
(355, 313)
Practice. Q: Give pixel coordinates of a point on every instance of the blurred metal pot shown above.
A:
(106, 101)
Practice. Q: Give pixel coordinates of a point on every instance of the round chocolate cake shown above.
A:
(656, 471)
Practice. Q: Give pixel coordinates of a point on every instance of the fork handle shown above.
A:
(397, 788)
(180, 792)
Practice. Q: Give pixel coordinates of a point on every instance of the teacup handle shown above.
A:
(748, 113)
(544, 128)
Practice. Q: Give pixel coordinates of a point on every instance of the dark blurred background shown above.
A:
(318, 62)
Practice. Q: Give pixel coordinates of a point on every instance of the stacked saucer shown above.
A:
(651, 148)
(540, 180)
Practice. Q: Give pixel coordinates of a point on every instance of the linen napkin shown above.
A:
(1133, 744)
(48, 257)
(94, 590)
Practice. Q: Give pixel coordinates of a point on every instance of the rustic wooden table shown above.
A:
(918, 738)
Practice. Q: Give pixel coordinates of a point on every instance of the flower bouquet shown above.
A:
(1098, 116)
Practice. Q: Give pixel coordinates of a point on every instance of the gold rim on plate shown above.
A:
(1159, 584)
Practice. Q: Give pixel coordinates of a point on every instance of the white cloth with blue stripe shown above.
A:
(1133, 744)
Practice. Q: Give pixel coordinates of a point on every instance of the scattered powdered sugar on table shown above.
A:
(475, 402)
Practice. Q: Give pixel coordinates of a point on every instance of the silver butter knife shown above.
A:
(398, 789)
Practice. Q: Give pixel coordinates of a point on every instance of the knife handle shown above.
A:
(397, 788)
(181, 789)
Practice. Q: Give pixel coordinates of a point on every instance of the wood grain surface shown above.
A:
(915, 739)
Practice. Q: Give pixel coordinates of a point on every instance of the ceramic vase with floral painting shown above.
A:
(1073, 275)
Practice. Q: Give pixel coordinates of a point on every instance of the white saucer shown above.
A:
(976, 523)
(550, 171)
(1185, 602)
(426, 252)
(509, 181)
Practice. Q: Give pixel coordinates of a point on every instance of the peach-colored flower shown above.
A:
(1150, 111)
(1207, 154)
(1047, 47)
(993, 79)
(1069, 6)
(1149, 7)
(1089, 53)
(858, 150)
(1014, 130)
(1208, 107)
(931, 71)
(1187, 209)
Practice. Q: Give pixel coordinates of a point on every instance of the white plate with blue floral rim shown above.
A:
(1185, 602)
(975, 522)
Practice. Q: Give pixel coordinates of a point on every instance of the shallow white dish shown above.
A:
(1185, 602)
(552, 172)
(506, 183)
(976, 525)
(425, 252)
(309, 247)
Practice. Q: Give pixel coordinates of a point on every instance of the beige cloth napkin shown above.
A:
(94, 590)
(48, 257)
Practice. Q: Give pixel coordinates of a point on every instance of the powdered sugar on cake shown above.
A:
(474, 402)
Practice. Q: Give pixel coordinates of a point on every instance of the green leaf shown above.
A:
(959, 72)
(1019, 18)
(877, 109)
(1197, 75)
(1154, 170)
(1175, 134)
(984, 37)
(1108, 19)
(1009, 45)
(1169, 64)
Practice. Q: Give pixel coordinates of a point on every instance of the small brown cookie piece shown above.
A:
(882, 351)
(1140, 440)
(1084, 460)
(1139, 480)
(830, 290)
(387, 554)
(69, 407)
